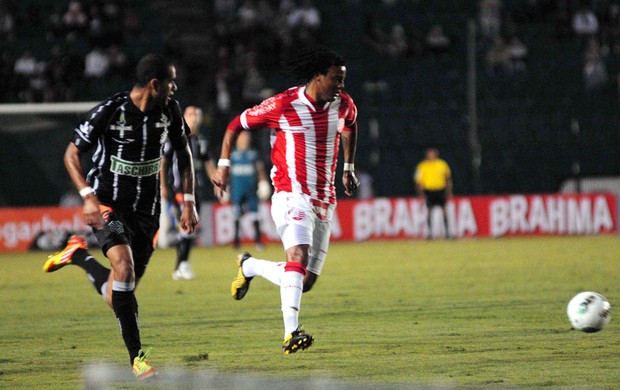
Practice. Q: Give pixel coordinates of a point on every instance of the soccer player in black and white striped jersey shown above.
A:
(172, 189)
(121, 192)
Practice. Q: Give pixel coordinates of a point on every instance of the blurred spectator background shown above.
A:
(542, 66)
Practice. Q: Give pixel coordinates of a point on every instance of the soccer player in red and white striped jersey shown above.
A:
(308, 122)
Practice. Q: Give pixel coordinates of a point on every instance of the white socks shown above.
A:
(291, 289)
(269, 270)
(290, 278)
(290, 296)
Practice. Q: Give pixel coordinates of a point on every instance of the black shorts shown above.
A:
(138, 230)
(435, 198)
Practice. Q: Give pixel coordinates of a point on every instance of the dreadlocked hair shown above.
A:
(309, 62)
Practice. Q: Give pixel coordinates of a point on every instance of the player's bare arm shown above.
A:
(349, 180)
(220, 180)
(90, 210)
(189, 215)
(261, 172)
(210, 169)
(165, 163)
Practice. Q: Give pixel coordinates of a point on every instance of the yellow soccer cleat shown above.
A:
(62, 258)
(141, 367)
(298, 340)
(240, 284)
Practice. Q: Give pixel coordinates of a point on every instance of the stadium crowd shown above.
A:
(228, 53)
(79, 49)
(65, 51)
(59, 51)
(595, 24)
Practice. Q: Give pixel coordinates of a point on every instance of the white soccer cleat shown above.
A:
(184, 272)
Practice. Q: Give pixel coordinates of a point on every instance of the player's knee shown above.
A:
(298, 254)
(125, 270)
(122, 264)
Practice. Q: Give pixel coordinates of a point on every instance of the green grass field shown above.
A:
(453, 314)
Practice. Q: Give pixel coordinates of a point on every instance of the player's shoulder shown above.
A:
(174, 107)
(271, 104)
(106, 109)
(347, 106)
(292, 92)
(117, 99)
(346, 98)
(346, 102)
(285, 97)
(174, 104)
(111, 103)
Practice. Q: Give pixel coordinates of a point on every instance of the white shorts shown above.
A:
(301, 220)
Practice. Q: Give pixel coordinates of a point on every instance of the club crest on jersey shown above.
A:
(116, 227)
(297, 215)
(163, 121)
(121, 124)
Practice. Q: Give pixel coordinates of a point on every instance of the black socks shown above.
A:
(183, 247)
(97, 273)
(126, 309)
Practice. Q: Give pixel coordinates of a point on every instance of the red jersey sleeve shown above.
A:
(349, 112)
(265, 115)
(235, 125)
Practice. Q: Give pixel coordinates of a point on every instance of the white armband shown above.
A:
(86, 191)
(349, 167)
(189, 198)
(223, 162)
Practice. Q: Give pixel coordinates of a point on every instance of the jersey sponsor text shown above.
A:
(135, 169)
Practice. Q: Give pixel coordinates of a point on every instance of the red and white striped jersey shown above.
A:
(305, 139)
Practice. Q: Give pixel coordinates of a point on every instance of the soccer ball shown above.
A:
(589, 312)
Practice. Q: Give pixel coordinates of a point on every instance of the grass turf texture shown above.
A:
(467, 313)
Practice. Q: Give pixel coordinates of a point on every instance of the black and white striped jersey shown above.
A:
(129, 147)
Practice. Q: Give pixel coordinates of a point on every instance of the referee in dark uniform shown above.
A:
(122, 190)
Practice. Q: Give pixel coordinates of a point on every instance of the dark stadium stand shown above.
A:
(526, 119)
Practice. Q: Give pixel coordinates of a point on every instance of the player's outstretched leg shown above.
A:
(62, 258)
(271, 271)
(76, 253)
(297, 340)
(240, 284)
